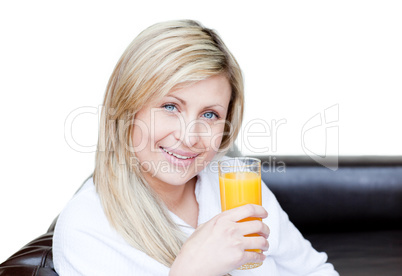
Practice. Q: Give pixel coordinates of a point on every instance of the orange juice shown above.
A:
(238, 189)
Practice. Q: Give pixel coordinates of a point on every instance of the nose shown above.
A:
(191, 140)
(190, 134)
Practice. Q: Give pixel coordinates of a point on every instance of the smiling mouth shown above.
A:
(178, 156)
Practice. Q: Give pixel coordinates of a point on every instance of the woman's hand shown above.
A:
(218, 246)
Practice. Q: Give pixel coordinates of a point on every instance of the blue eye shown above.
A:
(210, 115)
(169, 107)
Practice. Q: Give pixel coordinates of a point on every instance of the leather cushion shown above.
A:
(362, 253)
(33, 259)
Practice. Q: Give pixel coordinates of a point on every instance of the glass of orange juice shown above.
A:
(240, 184)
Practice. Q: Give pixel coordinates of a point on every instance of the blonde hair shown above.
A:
(162, 57)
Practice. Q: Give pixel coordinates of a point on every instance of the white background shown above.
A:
(299, 58)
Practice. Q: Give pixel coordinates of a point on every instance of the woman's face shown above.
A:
(177, 136)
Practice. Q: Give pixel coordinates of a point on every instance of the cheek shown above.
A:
(215, 140)
(140, 135)
(162, 127)
(148, 133)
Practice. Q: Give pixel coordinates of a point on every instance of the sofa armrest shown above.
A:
(34, 259)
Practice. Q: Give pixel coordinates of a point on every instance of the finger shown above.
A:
(255, 243)
(252, 257)
(246, 211)
(253, 227)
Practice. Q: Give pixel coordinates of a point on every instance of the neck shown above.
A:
(173, 195)
(179, 199)
(176, 196)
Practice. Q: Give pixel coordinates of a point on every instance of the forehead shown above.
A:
(212, 90)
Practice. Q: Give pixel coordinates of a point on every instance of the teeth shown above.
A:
(177, 155)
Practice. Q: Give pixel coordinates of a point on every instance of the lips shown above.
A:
(181, 155)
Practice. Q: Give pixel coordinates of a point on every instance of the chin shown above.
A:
(176, 179)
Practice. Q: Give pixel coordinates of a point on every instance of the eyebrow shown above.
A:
(184, 102)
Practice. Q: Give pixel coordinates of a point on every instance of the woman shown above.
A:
(173, 107)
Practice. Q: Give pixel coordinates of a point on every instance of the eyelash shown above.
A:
(165, 105)
(214, 113)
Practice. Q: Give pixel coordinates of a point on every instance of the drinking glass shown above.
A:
(240, 184)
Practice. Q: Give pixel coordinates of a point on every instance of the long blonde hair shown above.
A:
(162, 57)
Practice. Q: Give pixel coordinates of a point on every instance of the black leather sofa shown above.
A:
(354, 214)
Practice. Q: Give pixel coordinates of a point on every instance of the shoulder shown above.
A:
(84, 209)
(82, 220)
(84, 242)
